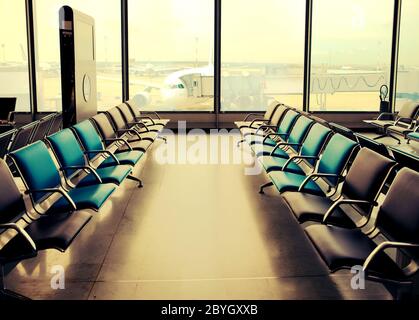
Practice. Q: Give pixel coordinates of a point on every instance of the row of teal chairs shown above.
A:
(67, 176)
(332, 186)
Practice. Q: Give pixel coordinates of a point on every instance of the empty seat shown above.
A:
(361, 188)
(378, 147)
(94, 146)
(5, 140)
(23, 136)
(282, 131)
(310, 151)
(43, 128)
(272, 125)
(42, 179)
(399, 122)
(397, 220)
(57, 123)
(254, 120)
(55, 231)
(405, 158)
(123, 127)
(293, 141)
(150, 122)
(132, 122)
(72, 158)
(111, 136)
(330, 168)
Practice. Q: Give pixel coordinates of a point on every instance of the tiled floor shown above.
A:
(193, 232)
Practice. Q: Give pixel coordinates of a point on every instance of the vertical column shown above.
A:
(395, 54)
(124, 50)
(217, 60)
(30, 31)
(307, 55)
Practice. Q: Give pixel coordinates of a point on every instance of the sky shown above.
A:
(344, 31)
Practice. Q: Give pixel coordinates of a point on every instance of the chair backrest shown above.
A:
(57, 123)
(126, 113)
(374, 145)
(67, 149)
(336, 156)
(315, 141)
(5, 139)
(88, 136)
(270, 110)
(11, 200)
(405, 159)
(37, 168)
(23, 136)
(117, 118)
(104, 126)
(279, 113)
(398, 217)
(342, 130)
(288, 122)
(367, 175)
(409, 110)
(43, 128)
(300, 129)
(133, 107)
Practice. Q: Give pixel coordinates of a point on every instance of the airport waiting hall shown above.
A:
(171, 150)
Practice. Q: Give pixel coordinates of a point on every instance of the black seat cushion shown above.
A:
(55, 231)
(346, 248)
(309, 207)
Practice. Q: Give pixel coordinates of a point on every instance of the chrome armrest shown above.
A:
(147, 118)
(281, 135)
(316, 175)
(284, 144)
(124, 142)
(383, 246)
(88, 169)
(256, 120)
(54, 190)
(139, 123)
(131, 131)
(263, 127)
(21, 231)
(292, 159)
(107, 152)
(385, 114)
(344, 201)
(251, 115)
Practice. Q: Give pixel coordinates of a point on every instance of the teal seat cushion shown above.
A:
(414, 136)
(129, 158)
(115, 175)
(277, 164)
(88, 197)
(288, 181)
(266, 150)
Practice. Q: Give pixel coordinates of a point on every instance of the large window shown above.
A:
(14, 77)
(351, 53)
(171, 54)
(108, 51)
(262, 53)
(408, 68)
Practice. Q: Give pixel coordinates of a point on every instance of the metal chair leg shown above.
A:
(266, 185)
(132, 178)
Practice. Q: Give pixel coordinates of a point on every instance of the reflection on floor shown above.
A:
(193, 232)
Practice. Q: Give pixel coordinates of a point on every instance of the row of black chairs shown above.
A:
(65, 176)
(17, 138)
(333, 184)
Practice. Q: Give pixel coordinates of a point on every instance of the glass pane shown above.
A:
(108, 51)
(171, 54)
(351, 54)
(262, 53)
(408, 68)
(14, 74)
